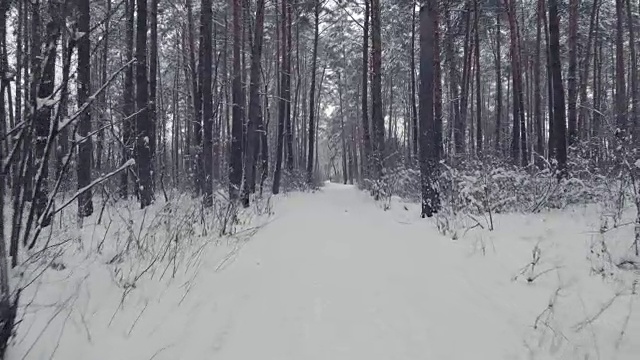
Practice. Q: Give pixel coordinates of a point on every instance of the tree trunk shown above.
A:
(460, 137)
(366, 133)
(43, 62)
(4, 82)
(550, 95)
(390, 125)
(254, 106)
(353, 159)
(85, 204)
(437, 78)
(153, 81)
(176, 130)
(478, 88)
(287, 90)
(597, 90)
(297, 120)
(143, 121)
(620, 101)
(584, 75)
(223, 108)
(235, 163)
(377, 118)
(197, 101)
(312, 96)
(304, 131)
(498, 82)
(264, 144)
(537, 95)
(8, 304)
(343, 140)
(20, 59)
(207, 102)
(322, 76)
(518, 142)
(428, 146)
(282, 103)
(7, 311)
(633, 78)
(128, 127)
(102, 100)
(572, 79)
(454, 108)
(515, 139)
(412, 58)
(559, 121)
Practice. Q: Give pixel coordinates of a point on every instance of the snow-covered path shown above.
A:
(334, 277)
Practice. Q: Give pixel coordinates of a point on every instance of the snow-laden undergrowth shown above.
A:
(567, 276)
(121, 274)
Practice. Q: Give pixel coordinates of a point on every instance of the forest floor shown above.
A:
(333, 276)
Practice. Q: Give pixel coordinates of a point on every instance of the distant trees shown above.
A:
(248, 88)
(552, 106)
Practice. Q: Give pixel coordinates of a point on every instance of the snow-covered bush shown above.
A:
(492, 186)
(128, 257)
(296, 180)
(400, 181)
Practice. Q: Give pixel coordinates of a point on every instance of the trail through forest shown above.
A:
(156, 159)
(332, 276)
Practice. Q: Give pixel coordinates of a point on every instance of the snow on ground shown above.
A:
(333, 276)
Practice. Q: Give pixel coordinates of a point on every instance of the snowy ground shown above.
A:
(333, 276)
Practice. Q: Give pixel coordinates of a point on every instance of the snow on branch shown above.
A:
(81, 139)
(68, 121)
(95, 182)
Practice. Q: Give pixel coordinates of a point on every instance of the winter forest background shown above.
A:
(134, 132)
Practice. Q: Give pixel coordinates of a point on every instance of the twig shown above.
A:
(137, 318)
(533, 278)
(581, 325)
(625, 324)
(95, 182)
